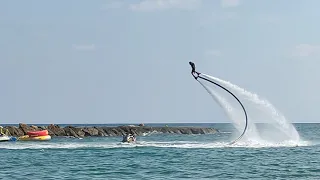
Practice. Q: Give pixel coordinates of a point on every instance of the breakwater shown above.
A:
(75, 131)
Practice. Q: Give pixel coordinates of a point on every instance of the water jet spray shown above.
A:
(197, 75)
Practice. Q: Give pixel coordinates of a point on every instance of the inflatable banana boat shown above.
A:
(36, 136)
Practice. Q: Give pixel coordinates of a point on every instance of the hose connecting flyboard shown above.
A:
(196, 75)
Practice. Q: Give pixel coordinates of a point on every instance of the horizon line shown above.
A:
(161, 123)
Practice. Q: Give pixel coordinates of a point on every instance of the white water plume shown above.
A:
(260, 110)
(236, 115)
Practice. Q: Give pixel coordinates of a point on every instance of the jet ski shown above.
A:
(4, 138)
(129, 138)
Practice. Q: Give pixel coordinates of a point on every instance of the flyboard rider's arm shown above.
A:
(194, 73)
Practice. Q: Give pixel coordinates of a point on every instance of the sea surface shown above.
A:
(162, 156)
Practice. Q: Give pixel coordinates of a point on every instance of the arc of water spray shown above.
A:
(196, 75)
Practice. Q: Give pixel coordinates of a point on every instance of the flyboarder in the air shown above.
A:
(194, 73)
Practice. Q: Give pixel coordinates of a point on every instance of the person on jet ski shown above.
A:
(128, 135)
(125, 137)
(132, 133)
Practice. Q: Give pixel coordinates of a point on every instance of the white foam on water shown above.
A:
(64, 145)
(150, 133)
(168, 144)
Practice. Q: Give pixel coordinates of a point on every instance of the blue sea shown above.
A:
(163, 156)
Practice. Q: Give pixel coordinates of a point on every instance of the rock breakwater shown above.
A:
(75, 131)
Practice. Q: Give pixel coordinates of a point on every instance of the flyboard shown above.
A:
(197, 75)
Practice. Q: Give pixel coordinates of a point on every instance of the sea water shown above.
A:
(164, 156)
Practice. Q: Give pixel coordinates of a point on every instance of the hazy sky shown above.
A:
(109, 61)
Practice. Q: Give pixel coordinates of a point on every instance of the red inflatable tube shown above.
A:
(38, 133)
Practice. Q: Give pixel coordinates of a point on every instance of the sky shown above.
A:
(126, 61)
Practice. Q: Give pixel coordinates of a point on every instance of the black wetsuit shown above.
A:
(194, 73)
(193, 66)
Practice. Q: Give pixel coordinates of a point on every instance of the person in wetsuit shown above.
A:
(132, 133)
(193, 66)
(194, 73)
